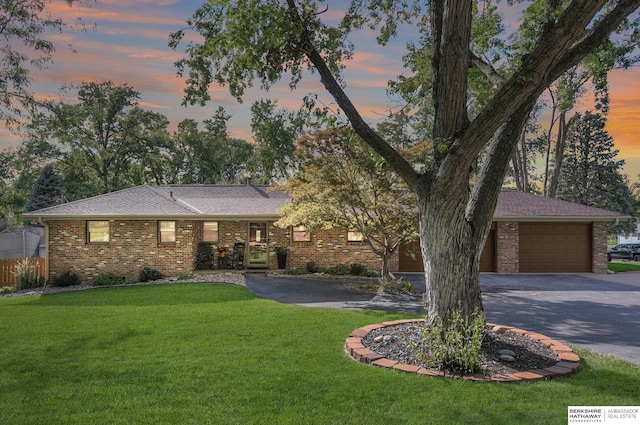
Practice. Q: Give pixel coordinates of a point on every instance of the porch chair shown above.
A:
(237, 257)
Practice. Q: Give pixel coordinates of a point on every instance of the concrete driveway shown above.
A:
(599, 312)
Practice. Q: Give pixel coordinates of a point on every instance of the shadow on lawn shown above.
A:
(147, 295)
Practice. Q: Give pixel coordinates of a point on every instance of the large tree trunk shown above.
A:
(450, 254)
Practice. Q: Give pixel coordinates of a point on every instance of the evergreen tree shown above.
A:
(47, 191)
(591, 174)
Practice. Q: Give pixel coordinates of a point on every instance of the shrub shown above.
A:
(455, 348)
(340, 269)
(371, 273)
(107, 279)
(148, 274)
(27, 274)
(185, 276)
(6, 289)
(357, 269)
(294, 271)
(396, 287)
(67, 278)
(311, 267)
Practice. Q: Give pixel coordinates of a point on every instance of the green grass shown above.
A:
(627, 266)
(217, 354)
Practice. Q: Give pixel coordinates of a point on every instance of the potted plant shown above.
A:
(281, 253)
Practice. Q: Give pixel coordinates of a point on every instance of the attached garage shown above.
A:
(534, 234)
(555, 247)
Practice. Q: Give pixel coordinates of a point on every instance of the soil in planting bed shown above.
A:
(398, 344)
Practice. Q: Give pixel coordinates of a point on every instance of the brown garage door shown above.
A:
(555, 247)
(409, 264)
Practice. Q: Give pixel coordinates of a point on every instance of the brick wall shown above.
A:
(132, 246)
(599, 248)
(507, 247)
(329, 248)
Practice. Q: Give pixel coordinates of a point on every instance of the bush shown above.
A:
(371, 273)
(185, 276)
(27, 274)
(294, 271)
(107, 279)
(311, 267)
(396, 287)
(148, 274)
(357, 270)
(340, 269)
(6, 289)
(455, 348)
(67, 278)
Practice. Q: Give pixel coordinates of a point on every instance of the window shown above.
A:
(210, 231)
(97, 231)
(354, 236)
(167, 231)
(300, 234)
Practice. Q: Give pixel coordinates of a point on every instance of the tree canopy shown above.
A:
(343, 183)
(592, 175)
(25, 45)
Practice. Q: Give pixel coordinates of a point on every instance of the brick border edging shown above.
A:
(568, 364)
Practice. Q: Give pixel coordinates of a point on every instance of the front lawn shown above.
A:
(626, 266)
(217, 354)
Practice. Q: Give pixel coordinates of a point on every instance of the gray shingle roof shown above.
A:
(255, 201)
(520, 206)
(174, 201)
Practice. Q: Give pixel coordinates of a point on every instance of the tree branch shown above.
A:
(545, 64)
(484, 197)
(397, 161)
(489, 71)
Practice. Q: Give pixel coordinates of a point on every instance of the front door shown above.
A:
(258, 245)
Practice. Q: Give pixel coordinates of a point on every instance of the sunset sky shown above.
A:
(129, 44)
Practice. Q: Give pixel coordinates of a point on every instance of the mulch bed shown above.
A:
(402, 338)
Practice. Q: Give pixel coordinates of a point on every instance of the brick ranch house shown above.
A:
(167, 228)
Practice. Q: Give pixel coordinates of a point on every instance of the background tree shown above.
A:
(344, 183)
(245, 41)
(211, 156)
(591, 174)
(274, 132)
(105, 130)
(547, 142)
(24, 46)
(47, 191)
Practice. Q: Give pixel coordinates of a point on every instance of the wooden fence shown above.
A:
(8, 269)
